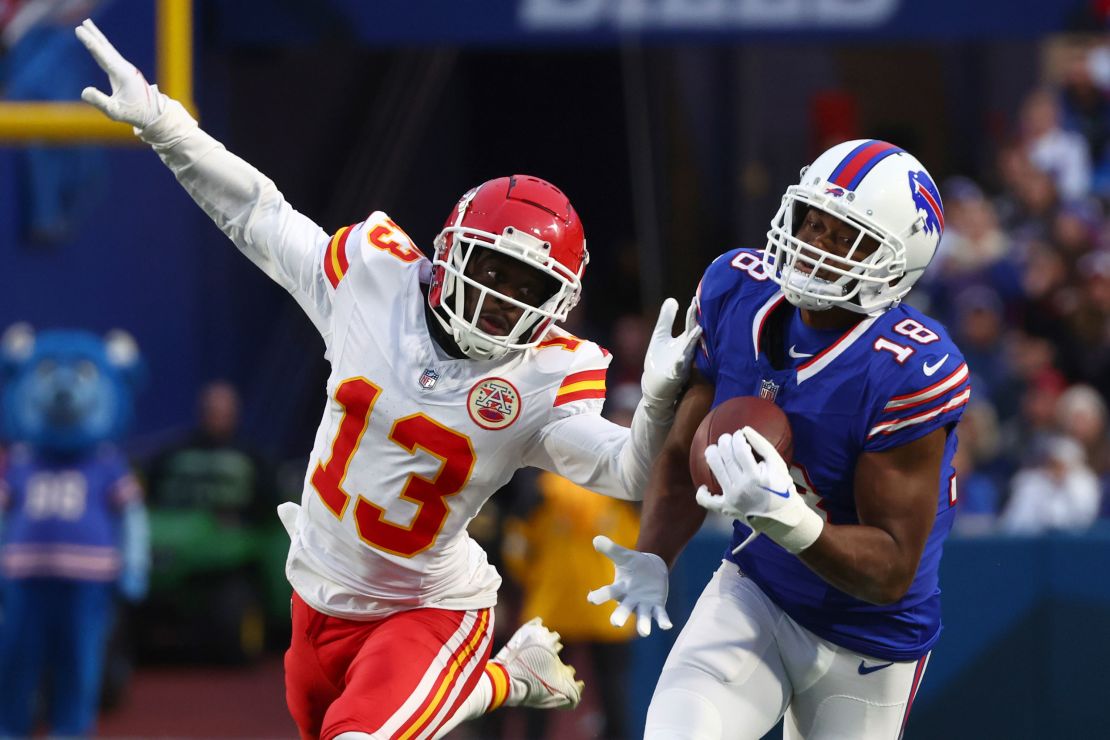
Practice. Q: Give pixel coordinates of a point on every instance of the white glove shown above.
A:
(133, 100)
(640, 585)
(759, 493)
(667, 363)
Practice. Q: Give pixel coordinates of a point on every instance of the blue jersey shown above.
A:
(882, 383)
(63, 519)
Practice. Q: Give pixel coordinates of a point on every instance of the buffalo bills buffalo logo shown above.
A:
(835, 192)
(926, 198)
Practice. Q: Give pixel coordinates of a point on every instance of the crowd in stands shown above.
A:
(1022, 279)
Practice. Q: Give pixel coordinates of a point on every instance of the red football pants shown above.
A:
(400, 677)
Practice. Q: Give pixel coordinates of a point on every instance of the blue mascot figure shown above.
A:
(74, 532)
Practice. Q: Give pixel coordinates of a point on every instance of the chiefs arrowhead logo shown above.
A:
(493, 403)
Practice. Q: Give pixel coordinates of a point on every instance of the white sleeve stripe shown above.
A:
(939, 388)
(893, 426)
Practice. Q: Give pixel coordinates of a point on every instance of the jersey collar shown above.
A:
(824, 358)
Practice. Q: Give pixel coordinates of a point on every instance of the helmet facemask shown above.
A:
(815, 279)
(457, 248)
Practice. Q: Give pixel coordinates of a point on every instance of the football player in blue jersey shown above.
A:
(826, 606)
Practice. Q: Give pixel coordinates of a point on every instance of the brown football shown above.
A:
(734, 414)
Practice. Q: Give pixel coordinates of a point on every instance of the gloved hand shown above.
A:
(640, 585)
(667, 363)
(760, 493)
(133, 99)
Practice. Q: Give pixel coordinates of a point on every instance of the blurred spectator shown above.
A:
(979, 330)
(1081, 415)
(1060, 153)
(216, 543)
(980, 473)
(972, 238)
(1050, 303)
(1086, 109)
(549, 551)
(212, 469)
(1090, 322)
(1074, 229)
(974, 252)
(1028, 200)
(1058, 493)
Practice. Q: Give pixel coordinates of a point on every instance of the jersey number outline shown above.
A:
(749, 263)
(455, 451)
(915, 330)
(389, 237)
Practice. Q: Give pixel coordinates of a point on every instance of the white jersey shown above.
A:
(412, 442)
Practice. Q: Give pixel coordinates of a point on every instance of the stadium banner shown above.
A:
(572, 22)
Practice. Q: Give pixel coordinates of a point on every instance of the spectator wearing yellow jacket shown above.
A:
(548, 551)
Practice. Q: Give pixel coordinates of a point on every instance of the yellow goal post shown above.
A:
(27, 122)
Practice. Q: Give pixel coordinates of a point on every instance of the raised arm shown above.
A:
(244, 203)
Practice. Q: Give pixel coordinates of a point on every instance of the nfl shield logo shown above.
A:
(428, 379)
(768, 390)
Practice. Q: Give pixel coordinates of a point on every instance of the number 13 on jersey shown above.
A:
(455, 451)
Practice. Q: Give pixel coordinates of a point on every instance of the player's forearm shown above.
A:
(645, 440)
(671, 516)
(862, 561)
(244, 203)
(589, 451)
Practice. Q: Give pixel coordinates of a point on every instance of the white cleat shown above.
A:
(538, 677)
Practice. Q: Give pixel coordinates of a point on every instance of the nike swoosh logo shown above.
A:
(796, 354)
(783, 494)
(865, 669)
(930, 369)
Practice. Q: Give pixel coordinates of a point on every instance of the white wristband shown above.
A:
(793, 537)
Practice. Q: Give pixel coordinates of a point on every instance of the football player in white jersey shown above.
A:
(446, 377)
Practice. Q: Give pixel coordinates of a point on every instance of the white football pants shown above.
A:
(741, 663)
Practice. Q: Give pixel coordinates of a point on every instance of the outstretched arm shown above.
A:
(244, 203)
(611, 459)
(670, 518)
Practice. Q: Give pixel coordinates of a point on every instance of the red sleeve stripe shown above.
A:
(942, 386)
(335, 257)
(583, 376)
(568, 343)
(579, 396)
(890, 427)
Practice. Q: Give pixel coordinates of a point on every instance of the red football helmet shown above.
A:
(525, 218)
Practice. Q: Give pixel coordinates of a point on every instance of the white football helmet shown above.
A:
(872, 186)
